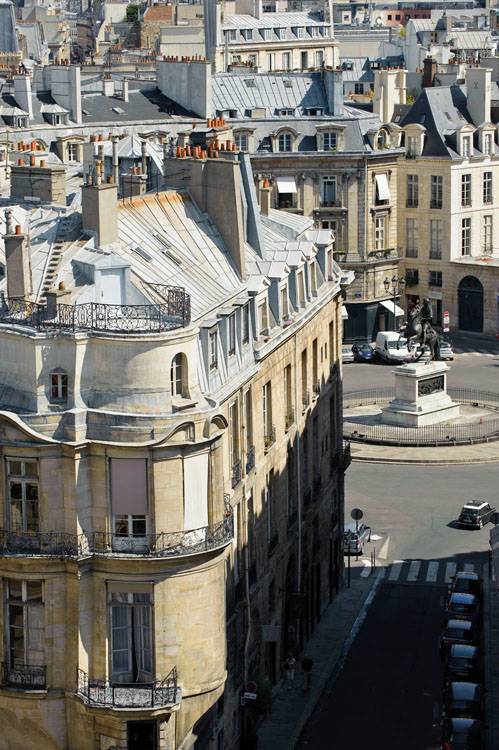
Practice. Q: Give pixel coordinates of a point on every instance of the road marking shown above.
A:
(475, 354)
(414, 570)
(366, 570)
(469, 568)
(395, 571)
(450, 572)
(431, 575)
(384, 550)
(375, 537)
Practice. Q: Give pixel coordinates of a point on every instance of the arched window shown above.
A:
(178, 374)
(381, 140)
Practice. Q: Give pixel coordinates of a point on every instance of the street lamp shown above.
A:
(398, 285)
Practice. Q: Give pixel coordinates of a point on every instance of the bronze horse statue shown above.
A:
(419, 330)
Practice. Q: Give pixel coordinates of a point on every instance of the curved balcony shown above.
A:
(164, 544)
(24, 676)
(147, 695)
(96, 317)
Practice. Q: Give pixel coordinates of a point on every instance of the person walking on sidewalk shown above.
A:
(289, 666)
(307, 665)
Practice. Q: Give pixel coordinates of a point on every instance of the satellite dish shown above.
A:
(379, 21)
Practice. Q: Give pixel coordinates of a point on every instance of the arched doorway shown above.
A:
(470, 297)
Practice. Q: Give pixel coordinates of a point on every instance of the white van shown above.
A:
(392, 348)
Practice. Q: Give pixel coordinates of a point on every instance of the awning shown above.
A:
(344, 312)
(383, 189)
(388, 303)
(286, 185)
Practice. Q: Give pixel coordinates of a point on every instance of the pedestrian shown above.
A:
(289, 666)
(307, 665)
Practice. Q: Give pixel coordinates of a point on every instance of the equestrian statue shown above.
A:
(419, 329)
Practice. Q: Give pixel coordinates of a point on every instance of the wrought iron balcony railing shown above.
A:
(269, 438)
(93, 316)
(236, 473)
(289, 418)
(26, 676)
(305, 401)
(164, 544)
(250, 459)
(149, 695)
(317, 388)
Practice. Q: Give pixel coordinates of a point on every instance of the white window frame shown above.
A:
(487, 192)
(286, 138)
(330, 140)
(436, 235)
(284, 301)
(242, 141)
(466, 235)
(58, 386)
(138, 612)
(329, 185)
(33, 624)
(487, 231)
(24, 524)
(466, 146)
(231, 334)
(213, 349)
(263, 318)
(380, 233)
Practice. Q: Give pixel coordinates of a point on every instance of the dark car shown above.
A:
(474, 515)
(458, 631)
(462, 607)
(467, 583)
(462, 734)
(363, 352)
(355, 538)
(463, 699)
(463, 663)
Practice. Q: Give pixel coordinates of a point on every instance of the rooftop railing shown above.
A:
(155, 694)
(93, 316)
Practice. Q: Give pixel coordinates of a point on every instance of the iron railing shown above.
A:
(439, 434)
(289, 418)
(93, 316)
(164, 544)
(316, 388)
(305, 401)
(27, 676)
(155, 694)
(236, 473)
(269, 438)
(250, 459)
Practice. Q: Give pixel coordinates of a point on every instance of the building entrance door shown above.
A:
(470, 295)
(141, 735)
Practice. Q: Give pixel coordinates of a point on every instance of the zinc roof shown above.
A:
(272, 20)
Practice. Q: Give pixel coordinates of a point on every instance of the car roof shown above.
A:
(462, 598)
(464, 690)
(352, 526)
(468, 576)
(460, 650)
(461, 723)
(474, 504)
(459, 624)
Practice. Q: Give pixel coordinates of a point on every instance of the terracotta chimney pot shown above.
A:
(32, 161)
(18, 229)
(20, 162)
(266, 182)
(42, 162)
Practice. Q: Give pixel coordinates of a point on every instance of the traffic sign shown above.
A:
(446, 322)
(357, 514)
(250, 696)
(251, 686)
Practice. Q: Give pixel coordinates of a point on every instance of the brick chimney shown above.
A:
(40, 181)
(429, 72)
(16, 260)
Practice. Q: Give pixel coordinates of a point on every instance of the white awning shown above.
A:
(388, 303)
(286, 185)
(344, 312)
(383, 189)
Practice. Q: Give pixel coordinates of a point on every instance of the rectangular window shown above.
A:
(232, 334)
(284, 142)
(128, 500)
(466, 190)
(313, 277)
(435, 278)
(248, 421)
(412, 190)
(213, 353)
(263, 323)
(487, 187)
(487, 234)
(436, 191)
(319, 59)
(411, 233)
(413, 145)
(58, 386)
(288, 397)
(241, 141)
(286, 60)
(466, 236)
(315, 366)
(22, 482)
(466, 146)
(249, 35)
(271, 61)
(329, 190)
(300, 287)
(330, 140)
(300, 32)
(25, 631)
(72, 151)
(436, 239)
(234, 432)
(267, 413)
(359, 88)
(131, 615)
(331, 344)
(246, 323)
(487, 144)
(379, 233)
(411, 277)
(284, 303)
(304, 380)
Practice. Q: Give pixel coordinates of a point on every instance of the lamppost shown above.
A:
(398, 285)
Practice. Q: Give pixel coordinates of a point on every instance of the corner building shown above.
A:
(171, 459)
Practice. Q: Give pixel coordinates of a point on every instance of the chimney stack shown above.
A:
(265, 197)
(429, 72)
(16, 260)
(99, 204)
(144, 158)
(22, 93)
(478, 88)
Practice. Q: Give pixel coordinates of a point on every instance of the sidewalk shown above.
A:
(327, 647)
(448, 454)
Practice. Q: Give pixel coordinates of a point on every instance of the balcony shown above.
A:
(269, 438)
(42, 543)
(149, 695)
(316, 388)
(250, 459)
(289, 419)
(92, 316)
(24, 676)
(236, 473)
(436, 204)
(411, 252)
(305, 401)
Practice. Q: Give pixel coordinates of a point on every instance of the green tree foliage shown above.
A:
(132, 12)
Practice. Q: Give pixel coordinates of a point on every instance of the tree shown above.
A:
(132, 12)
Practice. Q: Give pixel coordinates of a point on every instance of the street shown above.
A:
(389, 693)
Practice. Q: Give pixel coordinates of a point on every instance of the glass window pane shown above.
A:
(31, 469)
(34, 591)
(15, 467)
(15, 589)
(138, 526)
(16, 490)
(121, 525)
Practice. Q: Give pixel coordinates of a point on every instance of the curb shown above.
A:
(426, 462)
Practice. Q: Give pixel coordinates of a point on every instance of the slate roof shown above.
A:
(8, 32)
(272, 91)
(361, 67)
(273, 20)
(146, 102)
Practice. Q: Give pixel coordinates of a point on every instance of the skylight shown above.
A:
(250, 82)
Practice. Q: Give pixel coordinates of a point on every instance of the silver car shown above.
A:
(354, 538)
(346, 353)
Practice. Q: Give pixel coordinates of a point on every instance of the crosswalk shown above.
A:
(475, 353)
(419, 571)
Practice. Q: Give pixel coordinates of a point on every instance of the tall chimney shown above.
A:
(429, 72)
(100, 210)
(478, 85)
(265, 197)
(124, 89)
(115, 161)
(22, 93)
(16, 260)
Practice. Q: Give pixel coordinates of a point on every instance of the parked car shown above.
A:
(466, 583)
(462, 734)
(346, 354)
(463, 699)
(354, 539)
(458, 631)
(392, 348)
(446, 350)
(421, 353)
(363, 352)
(462, 607)
(475, 514)
(463, 663)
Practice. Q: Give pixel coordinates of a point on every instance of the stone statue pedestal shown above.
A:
(420, 396)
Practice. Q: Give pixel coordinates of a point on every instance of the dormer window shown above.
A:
(263, 318)
(284, 142)
(315, 111)
(300, 32)
(284, 302)
(314, 31)
(413, 145)
(330, 141)
(382, 139)
(232, 334)
(466, 146)
(58, 386)
(286, 112)
(213, 349)
(487, 143)
(313, 278)
(266, 34)
(249, 35)
(300, 288)
(231, 35)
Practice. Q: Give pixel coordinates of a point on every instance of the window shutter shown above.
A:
(129, 486)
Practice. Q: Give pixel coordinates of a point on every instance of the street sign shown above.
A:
(251, 686)
(250, 696)
(357, 514)
(446, 322)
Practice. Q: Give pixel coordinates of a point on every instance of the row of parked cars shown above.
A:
(389, 347)
(463, 672)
